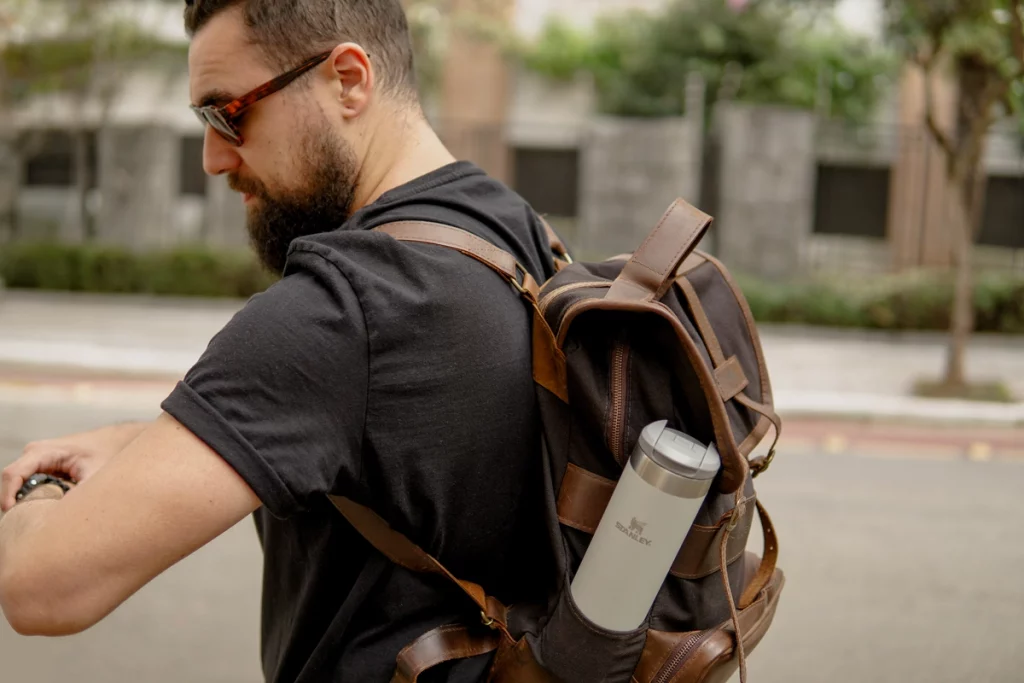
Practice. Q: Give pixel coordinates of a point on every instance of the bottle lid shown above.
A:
(679, 453)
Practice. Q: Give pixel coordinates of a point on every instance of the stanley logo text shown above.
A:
(635, 531)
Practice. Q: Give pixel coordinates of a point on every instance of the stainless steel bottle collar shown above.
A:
(674, 462)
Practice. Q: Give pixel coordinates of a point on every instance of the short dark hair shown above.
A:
(290, 31)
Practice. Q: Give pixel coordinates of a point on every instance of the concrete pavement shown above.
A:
(899, 570)
(900, 542)
(815, 372)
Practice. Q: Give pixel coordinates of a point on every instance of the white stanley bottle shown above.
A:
(651, 511)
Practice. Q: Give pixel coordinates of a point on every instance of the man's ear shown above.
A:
(355, 78)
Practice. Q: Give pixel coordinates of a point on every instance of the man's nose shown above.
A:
(219, 155)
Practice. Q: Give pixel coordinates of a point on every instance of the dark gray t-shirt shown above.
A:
(398, 375)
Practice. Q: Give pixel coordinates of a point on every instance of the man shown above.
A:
(395, 374)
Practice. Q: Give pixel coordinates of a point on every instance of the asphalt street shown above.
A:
(899, 570)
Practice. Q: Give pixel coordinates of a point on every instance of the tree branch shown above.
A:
(927, 64)
(1017, 31)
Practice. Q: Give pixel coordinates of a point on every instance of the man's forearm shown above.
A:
(18, 530)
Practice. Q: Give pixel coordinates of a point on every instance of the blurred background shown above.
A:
(864, 161)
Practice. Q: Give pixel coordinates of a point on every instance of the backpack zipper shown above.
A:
(550, 297)
(617, 413)
(679, 654)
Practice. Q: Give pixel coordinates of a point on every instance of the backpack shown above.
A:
(661, 334)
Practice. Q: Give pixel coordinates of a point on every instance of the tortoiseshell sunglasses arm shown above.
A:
(232, 109)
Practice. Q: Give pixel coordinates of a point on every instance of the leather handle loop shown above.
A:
(651, 270)
(443, 644)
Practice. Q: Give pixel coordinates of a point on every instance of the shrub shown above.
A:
(917, 301)
(187, 271)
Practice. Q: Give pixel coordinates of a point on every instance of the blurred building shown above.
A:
(791, 192)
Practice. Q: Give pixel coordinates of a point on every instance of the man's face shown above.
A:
(296, 173)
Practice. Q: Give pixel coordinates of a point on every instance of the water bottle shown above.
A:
(650, 513)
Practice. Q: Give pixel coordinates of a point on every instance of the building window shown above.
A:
(1003, 224)
(192, 176)
(549, 180)
(50, 159)
(852, 200)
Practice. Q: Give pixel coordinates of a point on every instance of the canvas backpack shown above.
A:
(661, 334)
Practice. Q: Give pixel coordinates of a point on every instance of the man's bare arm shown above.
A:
(65, 565)
(75, 457)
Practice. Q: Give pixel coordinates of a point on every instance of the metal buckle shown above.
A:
(515, 279)
(764, 465)
(488, 621)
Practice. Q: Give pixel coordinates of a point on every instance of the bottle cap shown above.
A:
(679, 453)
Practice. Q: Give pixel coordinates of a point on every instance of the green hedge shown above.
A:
(921, 301)
(906, 302)
(191, 271)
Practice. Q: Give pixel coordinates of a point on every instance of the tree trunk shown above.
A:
(962, 315)
(968, 174)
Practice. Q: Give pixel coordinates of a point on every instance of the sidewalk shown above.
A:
(48, 339)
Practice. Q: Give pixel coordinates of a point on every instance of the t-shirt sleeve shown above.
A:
(280, 392)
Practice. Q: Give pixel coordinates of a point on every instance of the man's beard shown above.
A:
(324, 204)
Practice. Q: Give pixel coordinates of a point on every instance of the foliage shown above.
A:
(78, 46)
(983, 42)
(188, 271)
(770, 52)
(427, 27)
(916, 301)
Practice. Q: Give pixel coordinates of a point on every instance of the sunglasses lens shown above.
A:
(219, 124)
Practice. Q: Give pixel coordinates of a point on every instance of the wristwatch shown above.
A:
(37, 480)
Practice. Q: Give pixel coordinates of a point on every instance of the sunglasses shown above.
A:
(225, 119)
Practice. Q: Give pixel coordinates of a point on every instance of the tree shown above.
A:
(765, 51)
(81, 49)
(979, 43)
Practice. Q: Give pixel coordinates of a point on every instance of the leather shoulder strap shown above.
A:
(561, 253)
(651, 270)
(497, 259)
(453, 238)
(405, 553)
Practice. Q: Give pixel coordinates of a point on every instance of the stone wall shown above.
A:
(139, 186)
(765, 204)
(225, 215)
(631, 172)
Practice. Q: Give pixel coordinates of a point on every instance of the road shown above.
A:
(900, 569)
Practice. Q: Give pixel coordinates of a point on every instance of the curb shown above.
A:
(903, 409)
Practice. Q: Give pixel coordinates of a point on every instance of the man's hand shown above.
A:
(65, 565)
(75, 457)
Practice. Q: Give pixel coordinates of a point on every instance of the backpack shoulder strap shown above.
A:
(562, 258)
(497, 259)
(403, 552)
(444, 643)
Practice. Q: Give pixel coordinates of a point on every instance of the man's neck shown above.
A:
(398, 154)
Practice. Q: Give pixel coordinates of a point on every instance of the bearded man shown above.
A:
(395, 374)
